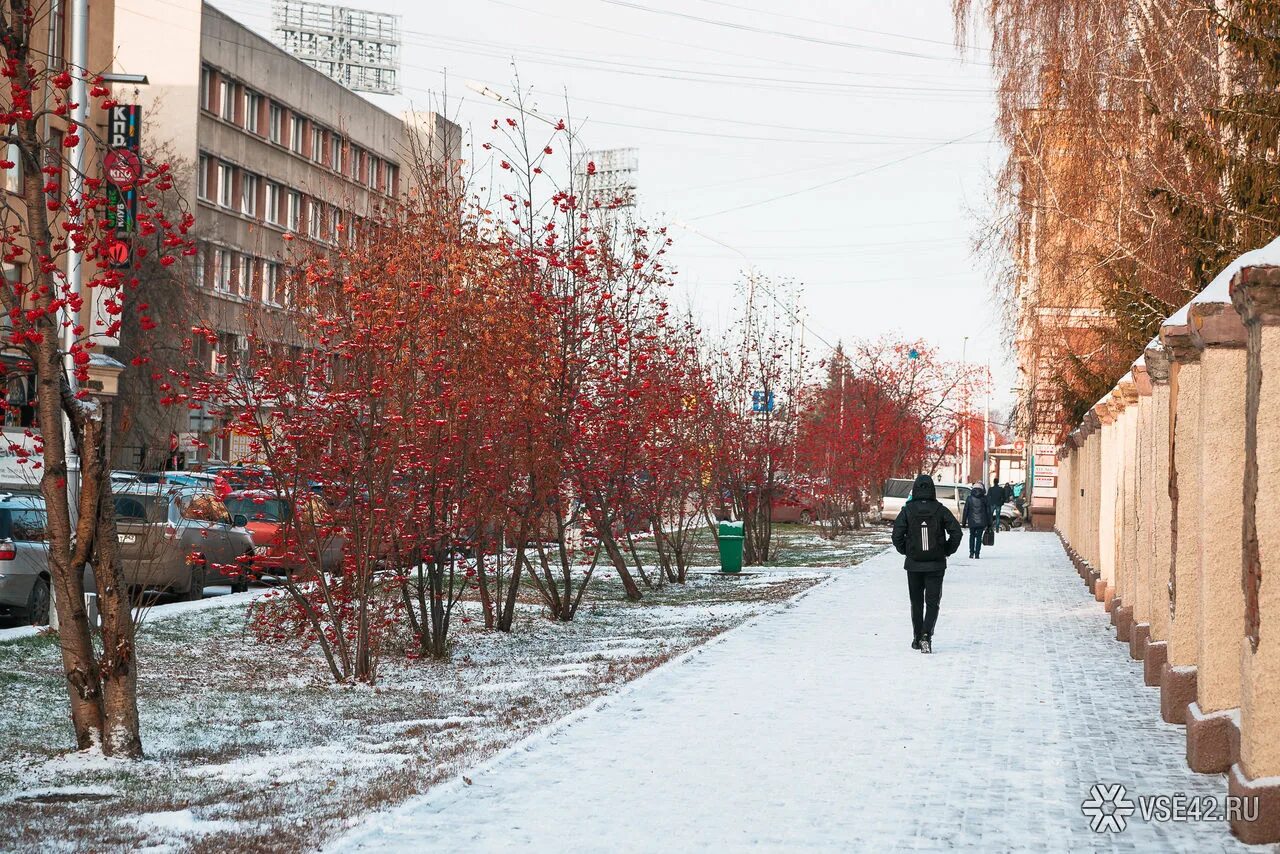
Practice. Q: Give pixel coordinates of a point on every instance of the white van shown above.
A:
(898, 489)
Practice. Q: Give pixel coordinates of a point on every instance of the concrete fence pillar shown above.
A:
(1129, 511)
(1144, 508)
(1105, 588)
(1093, 482)
(1178, 681)
(1255, 292)
(1123, 400)
(1157, 486)
(1219, 333)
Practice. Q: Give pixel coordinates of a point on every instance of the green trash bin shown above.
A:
(731, 546)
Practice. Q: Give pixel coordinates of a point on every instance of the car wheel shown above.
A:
(199, 569)
(245, 568)
(38, 603)
(806, 518)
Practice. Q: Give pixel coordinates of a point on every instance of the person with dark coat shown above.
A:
(997, 495)
(927, 533)
(977, 515)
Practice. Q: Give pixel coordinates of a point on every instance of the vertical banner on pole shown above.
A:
(122, 167)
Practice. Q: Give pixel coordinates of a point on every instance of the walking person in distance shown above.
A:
(977, 515)
(927, 533)
(997, 495)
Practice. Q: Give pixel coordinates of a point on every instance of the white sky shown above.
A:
(728, 119)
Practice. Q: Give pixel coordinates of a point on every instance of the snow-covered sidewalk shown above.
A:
(818, 728)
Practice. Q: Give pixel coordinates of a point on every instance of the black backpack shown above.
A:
(926, 535)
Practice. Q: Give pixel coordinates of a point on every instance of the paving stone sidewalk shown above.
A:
(818, 729)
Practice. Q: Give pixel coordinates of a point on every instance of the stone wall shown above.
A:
(1164, 512)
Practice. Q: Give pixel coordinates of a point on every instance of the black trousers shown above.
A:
(926, 590)
(975, 540)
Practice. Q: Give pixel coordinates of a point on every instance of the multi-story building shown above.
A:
(269, 151)
(1058, 312)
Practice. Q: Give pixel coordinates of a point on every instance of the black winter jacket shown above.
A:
(997, 496)
(977, 513)
(923, 494)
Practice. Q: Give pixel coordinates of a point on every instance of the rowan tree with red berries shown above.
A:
(45, 228)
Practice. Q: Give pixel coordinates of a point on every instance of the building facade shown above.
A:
(273, 157)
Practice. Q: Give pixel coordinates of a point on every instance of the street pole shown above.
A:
(75, 272)
(966, 473)
(986, 429)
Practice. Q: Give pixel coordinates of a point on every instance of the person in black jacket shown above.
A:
(977, 515)
(927, 533)
(997, 495)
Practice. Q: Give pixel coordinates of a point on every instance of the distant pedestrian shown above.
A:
(927, 533)
(977, 515)
(997, 495)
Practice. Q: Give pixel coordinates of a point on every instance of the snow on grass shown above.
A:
(254, 747)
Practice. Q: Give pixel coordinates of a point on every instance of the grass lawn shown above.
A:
(252, 748)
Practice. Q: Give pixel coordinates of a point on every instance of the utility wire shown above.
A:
(781, 34)
(842, 178)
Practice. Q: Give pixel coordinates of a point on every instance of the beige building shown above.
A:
(274, 156)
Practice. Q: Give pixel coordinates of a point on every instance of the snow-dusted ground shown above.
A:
(253, 748)
(818, 729)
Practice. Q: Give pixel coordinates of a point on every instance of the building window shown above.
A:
(202, 177)
(271, 198)
(317, 145)
(313, 220)
(297, 131)
(275, 121)
(375, 173)
(294, 217)
(201, 260)
(57, 36)
(13, 153)
(393, 179)
(226, 175)
(222, 270)
(336, 142)
(227, 100)
(270, 277)
(53, 159)
(249, 194)
(252, 103)
(335, 224)
(206, 88)
(357, 160)
(244, 276)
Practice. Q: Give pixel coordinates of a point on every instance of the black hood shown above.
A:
(923, 489)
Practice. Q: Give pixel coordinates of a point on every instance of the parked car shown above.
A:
(189, 478)
(24, 558)
(179, 539)
(898, 489)
(120, 479)
(268, 517)
(794, 505)
(243, 477)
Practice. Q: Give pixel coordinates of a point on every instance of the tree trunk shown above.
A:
(486, 597)
(119, 663)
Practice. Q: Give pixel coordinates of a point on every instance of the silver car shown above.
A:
(24, 558)
(178, 539)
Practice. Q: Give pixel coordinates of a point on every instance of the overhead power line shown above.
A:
(782, 34)
(842, 178)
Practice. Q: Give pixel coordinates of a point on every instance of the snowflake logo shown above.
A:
(1107, 808)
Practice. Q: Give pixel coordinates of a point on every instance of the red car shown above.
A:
(269, 518)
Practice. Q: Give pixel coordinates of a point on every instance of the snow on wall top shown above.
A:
(1219, 290)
